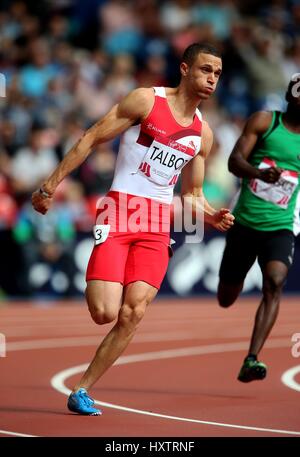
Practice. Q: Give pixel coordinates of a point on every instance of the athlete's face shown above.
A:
(203, 75)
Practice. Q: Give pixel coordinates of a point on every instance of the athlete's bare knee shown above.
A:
(103, 316)
(273, 283)
(138, 313)
(225, 301)
(101, 312)
(131, 314)
(227, 294)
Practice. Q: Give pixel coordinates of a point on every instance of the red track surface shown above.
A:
(198, 384)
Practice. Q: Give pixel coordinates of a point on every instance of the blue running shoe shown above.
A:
(79, 402)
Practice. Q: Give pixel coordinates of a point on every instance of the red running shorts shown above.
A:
(132, 240)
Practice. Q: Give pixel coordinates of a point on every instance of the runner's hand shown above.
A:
(41, 202)
(270, 175)
(223, 220)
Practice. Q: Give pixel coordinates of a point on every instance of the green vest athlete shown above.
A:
(273, 206)
(267, 158)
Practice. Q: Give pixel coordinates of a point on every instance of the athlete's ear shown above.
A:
(184, 69)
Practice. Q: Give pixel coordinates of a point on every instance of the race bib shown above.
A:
(101, 233)
(278, 193)
(164, 160)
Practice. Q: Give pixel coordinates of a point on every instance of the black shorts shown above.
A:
(244, 245)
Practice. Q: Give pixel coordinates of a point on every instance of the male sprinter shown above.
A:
(164, 131)
(267, 157)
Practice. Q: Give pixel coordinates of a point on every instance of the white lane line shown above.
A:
(288, 378)
(50, 330)
(6, 432)
(33, 320)
(92, 340)
(28, 320)
(58, 382)
(87, 330)
(52, 343)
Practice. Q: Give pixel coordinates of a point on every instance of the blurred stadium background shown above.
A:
(65, 63)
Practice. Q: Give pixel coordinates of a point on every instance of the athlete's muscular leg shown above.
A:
(274, 275)
(137, 296)
(104, 299)
(238, 258)
(228, 293)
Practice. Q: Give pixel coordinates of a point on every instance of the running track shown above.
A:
(177, 378)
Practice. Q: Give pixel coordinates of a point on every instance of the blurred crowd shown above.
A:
(66, 62)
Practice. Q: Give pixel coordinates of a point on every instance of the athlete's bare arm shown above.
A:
(238, 164)
(192, 178)
(133, 108)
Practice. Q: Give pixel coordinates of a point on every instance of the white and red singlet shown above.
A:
(150, 159)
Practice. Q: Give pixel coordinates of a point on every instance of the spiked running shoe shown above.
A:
(79, 402)
(252, 370)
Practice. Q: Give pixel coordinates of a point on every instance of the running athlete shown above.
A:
(267, 158)
(162, 132)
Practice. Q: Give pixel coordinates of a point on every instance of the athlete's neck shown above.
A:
(291, 118)
(183, 103)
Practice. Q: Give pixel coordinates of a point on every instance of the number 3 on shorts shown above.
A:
(101, 233)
